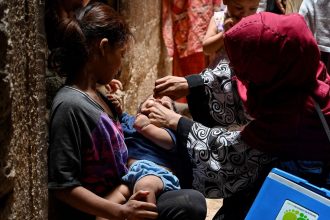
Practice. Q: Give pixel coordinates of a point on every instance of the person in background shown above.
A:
(87, 154)
(316, 14)
(183, 29)
(222, 21)
(282, 103)
(275, 6)
(280, 6)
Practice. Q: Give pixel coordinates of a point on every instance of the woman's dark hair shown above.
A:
(95, 21)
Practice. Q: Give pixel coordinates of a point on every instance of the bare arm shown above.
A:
(213, 41)
(157, 135)
(86, 201)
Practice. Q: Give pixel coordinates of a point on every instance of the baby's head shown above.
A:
(165, 101)
(239, 9)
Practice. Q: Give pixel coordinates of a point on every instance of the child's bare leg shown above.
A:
(119, 195)
(150, 183)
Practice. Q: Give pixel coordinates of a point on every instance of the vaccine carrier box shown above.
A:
(284, 196)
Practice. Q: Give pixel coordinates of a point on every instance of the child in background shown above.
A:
(231, 13)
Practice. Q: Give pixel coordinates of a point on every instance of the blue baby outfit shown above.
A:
(149, 156)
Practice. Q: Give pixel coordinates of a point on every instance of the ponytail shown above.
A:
(72, 53)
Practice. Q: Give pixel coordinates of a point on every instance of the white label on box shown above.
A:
(293, 211)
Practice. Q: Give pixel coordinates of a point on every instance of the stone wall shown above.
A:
(147, 59)
(23, 127)
(22, 124)
(6, 177)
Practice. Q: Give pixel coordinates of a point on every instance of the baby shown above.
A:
(151, 149)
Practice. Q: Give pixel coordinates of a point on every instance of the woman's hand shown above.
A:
(172, 86)
(161, 116)
(136, 209)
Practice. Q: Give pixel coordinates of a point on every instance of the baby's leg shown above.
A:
(119, 195)
(150, 183)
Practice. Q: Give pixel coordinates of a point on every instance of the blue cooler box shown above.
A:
(284, 196)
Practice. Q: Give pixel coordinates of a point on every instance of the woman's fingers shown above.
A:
(161, 89)
(161, 116)
(173, 86)
(162, 80)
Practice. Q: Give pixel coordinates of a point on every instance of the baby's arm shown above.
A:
(157, 135)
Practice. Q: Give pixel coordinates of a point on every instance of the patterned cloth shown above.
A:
(184, 26)
(222, 163)
(185, 23)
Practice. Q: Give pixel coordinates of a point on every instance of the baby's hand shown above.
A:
(114, 86)
(117, 103)
(141, 121)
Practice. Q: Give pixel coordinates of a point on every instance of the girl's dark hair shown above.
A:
(52, 21)
(95, 21)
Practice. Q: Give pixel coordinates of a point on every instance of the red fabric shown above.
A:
(278, 69)
(184, 25)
